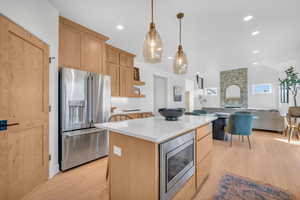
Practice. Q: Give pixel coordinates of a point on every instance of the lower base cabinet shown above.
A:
(202, 170)
(188, 191)
(204, 154)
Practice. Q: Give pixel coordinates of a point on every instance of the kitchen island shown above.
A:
(154, 159)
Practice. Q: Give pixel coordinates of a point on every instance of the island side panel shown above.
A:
(135, 174)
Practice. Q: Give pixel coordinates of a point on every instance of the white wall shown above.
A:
(41, 19)
(256, 75)
(259, 75)
(147, 71)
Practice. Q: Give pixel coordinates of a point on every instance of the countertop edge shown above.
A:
(155, 140)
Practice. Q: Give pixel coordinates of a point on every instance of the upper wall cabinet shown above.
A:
(93, 54)
(69, 46)
(113, 55)
(81, 48)
(120, 68)
(126, 59)
(113, 70)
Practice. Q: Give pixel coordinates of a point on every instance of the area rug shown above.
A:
(233, 187)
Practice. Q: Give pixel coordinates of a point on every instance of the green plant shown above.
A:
(291, 82)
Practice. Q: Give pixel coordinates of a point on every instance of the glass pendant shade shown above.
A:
(180, 64)
(153, 47)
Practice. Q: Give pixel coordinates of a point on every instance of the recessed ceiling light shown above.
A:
(255, 63)
(170, 58)
(255, 33)
(120, 27)
(255, 52)
(248, 18)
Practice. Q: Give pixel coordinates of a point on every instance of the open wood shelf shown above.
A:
(138, 83)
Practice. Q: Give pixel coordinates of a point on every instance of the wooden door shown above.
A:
(69, 46)
(126, 81)
(93, 51)
(23, 100)
(114, 71)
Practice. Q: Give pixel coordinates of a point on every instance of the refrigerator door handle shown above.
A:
(90, 104)
(92, 98)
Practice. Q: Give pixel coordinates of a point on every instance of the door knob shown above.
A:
(4, 125)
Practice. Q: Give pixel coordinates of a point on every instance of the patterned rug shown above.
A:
(233, 187)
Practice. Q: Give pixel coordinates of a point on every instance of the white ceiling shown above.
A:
(214, 33)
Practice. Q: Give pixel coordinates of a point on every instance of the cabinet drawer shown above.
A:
(204, 131)
(204, 146)
(203, 169)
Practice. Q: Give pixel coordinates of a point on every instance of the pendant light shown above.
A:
(153, 47)
(180, 63)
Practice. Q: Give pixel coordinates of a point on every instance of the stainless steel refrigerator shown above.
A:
(84, 99)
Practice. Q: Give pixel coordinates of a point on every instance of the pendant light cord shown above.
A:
(152, 11)
(180, 31)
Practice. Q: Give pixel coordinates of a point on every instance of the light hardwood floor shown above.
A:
(272, 160)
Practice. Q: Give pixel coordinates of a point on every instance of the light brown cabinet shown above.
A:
(126, 81)
(84, 49)
(81, 48)
(126, 60)
(204, 147)
(113, 55)
(120, 68)
(92, 54)
(113, 71)
(69, 46)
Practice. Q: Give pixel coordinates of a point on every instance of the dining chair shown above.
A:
(292, 124)
(116, 118)
(240, 124)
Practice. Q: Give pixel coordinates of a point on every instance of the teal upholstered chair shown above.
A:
(240, 124)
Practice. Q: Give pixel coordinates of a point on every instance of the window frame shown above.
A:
(262, 84)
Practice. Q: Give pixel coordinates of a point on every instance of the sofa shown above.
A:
(269, 120)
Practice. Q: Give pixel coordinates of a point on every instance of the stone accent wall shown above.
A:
(237, 77)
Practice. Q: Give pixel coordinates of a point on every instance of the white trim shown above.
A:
(53, 170)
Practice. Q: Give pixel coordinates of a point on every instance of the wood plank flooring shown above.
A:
(272, 160)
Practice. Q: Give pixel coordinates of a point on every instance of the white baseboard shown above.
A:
(53, 170)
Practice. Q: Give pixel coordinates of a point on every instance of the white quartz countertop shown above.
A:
(157, 129)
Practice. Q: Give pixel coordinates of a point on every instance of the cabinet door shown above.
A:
(92, 56)
(126, 60)
(69, 46)
(126, 82)
(129, 82)
(113, 70)
(113, 55)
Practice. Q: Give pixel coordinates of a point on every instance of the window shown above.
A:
(262, 89)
